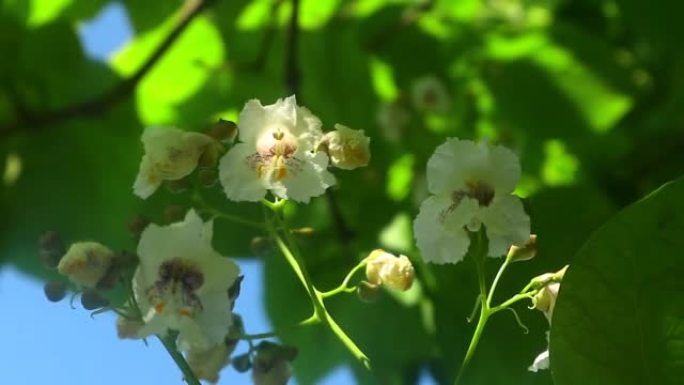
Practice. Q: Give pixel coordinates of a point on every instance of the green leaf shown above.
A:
(180, 73)
(619, 318)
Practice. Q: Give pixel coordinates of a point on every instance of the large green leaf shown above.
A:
(620, 314)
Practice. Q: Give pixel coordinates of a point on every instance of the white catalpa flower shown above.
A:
(430, 94)
(471, 185)
(276, 153)
(170, 154)
(393, 118)
(182, 283)
(384, 268)
(348, 149)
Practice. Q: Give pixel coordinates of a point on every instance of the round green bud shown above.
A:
(55, 291)
(207, 177)
(92, 299)
(242, 363)
(52, 241)
(178, 186)
(174, 213)
(136, 225)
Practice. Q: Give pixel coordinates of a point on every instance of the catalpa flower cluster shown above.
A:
(183, 290)
(281, 149)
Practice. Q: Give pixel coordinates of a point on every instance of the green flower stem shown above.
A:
(209, 209)
(503, 267)
(514, 299)
(486, 308)
(344, 287)
(482, 321)
(251, 337)
(169, 343)
(289, 249)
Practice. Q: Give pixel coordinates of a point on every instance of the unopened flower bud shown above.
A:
(52, 249)
(241, 363)
(55, 291)
(128, 328)
(52, 240)
(207, 363)
(348, 149)
(113, 275)
(271, 364)
(279, 374)
(86, 263)
(207, 177)
(385, 269)
(211, 155)
(558, 276)
(524, 253)
(545, 299)
(260, 246)
(50, 258)
(92, 299)
(237, 329)
(430, 94)
(178, 186)
(305, 231)
(367, 292)
(223, 130)
(136, 225)
(174, 213)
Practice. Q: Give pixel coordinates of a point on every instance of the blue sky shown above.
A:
(51, 343)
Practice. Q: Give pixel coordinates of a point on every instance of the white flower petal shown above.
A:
(148, 180)
(159, 243)
(504, 170)
(506, 223)
(540, 362)
(453, 163)
(240, 182)
(210, 326)
(311, 179)
(438, 229)
(253, 119)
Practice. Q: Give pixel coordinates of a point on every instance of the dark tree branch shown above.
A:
(292, 73)
(293, 84)
(34, 121)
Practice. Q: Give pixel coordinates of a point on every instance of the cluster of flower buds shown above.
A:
(271, 364)
(547, 286)
(385, 269)
(91, 266)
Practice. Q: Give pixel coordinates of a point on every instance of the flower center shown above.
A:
(175, 288)
(475, 189)
(275, 155)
